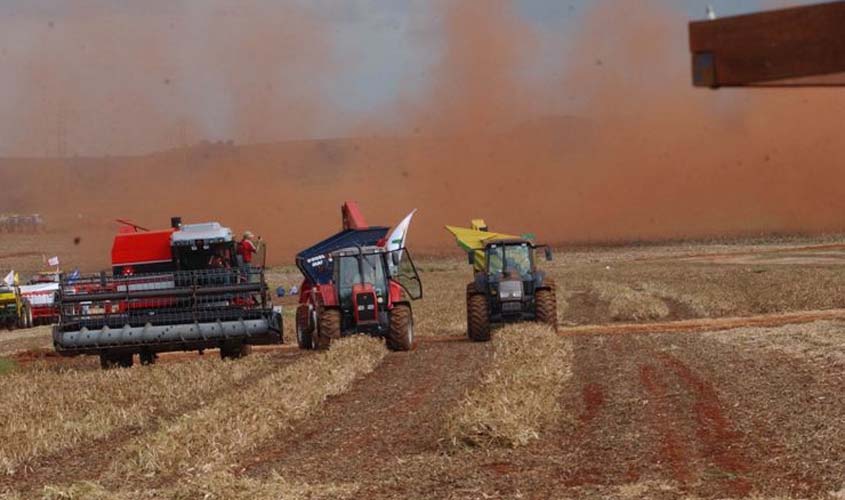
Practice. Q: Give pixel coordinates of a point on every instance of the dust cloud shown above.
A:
(612, 144)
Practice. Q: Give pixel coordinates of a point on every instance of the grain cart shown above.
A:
(172, 290)
(507, 286)
(357, 281)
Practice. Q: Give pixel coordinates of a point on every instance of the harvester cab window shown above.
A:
(197, 257)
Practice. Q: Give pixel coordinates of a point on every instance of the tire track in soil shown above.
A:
(394, 413)
(671, 448)
(644, 414)
(782, 403)
(706, 324)
(594, 451)
(722, 444)
(91, 459)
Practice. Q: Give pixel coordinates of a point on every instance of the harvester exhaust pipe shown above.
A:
(175, 222)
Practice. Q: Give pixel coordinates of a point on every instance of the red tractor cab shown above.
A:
(353, 285)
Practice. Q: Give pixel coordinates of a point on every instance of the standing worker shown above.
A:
(246, 249)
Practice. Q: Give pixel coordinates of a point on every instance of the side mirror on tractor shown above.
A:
(548, 252)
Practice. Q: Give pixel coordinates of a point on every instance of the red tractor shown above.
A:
(357, 282)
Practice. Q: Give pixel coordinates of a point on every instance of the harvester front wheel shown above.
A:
(147, 358)
(25, 320)
(478, 318)
(328, 328)
(401, 334)
(304, 328)
(109, 361)
(234, 350)
(546, 304)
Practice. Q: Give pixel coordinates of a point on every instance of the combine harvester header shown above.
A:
(169, 290)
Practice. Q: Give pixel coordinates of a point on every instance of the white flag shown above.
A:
(53, 261)
(397, 237)
(9, 280)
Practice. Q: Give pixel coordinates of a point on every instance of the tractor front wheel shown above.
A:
(401, 334)
(478, 318)
(546, 304)
(304, 328)
(328, 328)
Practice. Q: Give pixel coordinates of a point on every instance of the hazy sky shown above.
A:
(112, 77)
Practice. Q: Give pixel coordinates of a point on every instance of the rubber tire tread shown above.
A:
(545, 300)
(328, 328)
(303, 318)
(478, 317)
(401, 318)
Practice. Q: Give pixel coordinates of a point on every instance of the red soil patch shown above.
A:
(593, 400)
(722, 444)
(673, 449)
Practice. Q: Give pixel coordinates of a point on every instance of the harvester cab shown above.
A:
(196, 246)
(355, 282)
(507, 285)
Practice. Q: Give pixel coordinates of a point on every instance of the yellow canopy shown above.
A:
(472, 240)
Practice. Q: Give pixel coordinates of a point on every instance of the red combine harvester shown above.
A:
(357, 282)
(178, 289)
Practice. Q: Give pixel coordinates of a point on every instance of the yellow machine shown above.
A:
(506, 286)
(475, 240)
(14, 310)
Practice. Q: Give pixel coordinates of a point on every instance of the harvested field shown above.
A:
(671, 377)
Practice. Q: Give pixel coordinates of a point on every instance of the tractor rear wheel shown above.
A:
(328, 328)
(478, 317)
(546, 305)
(304, 328)
(401, 334)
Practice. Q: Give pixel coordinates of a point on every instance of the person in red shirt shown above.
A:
(246, 249)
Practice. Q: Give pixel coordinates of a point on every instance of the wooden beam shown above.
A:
(780, 45)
